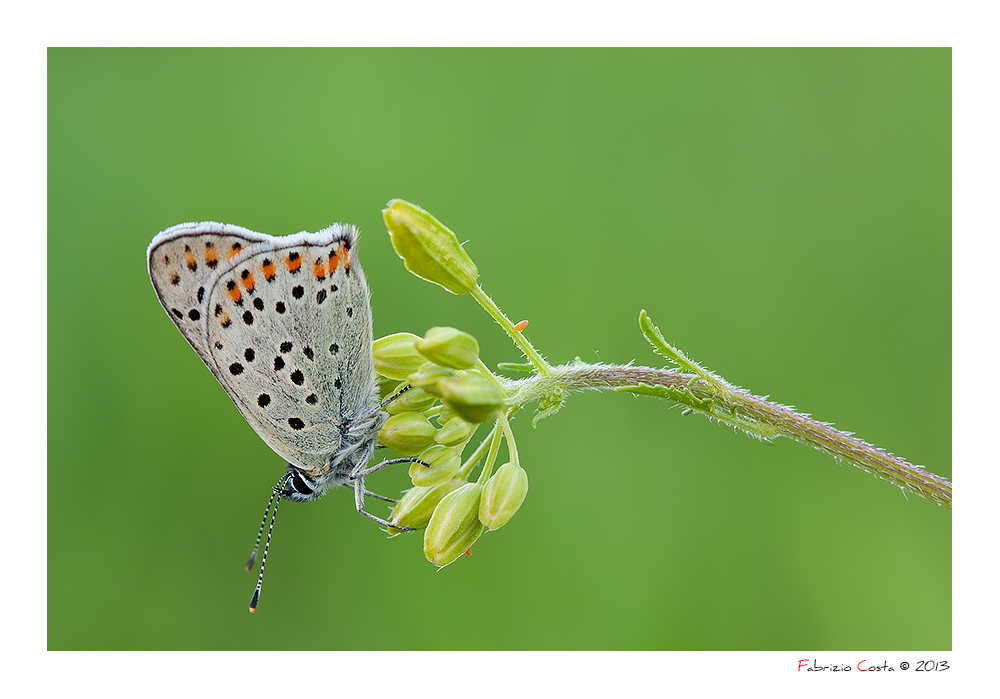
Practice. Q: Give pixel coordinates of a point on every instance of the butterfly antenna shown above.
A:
(394, 396)
(260, 532)
(275, 497)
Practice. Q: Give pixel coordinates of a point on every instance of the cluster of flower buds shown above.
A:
(442, 365)
(465, 512)
(446, 386)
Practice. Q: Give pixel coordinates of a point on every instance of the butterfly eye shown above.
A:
(300, 485)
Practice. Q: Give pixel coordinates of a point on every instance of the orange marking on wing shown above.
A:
(268, 270)
(189, 260)
(211, 255)
(334, 260)
(318, 269)
(248, 282)
(293, 263)
(235, 294)
(233, 251)
(347, 258)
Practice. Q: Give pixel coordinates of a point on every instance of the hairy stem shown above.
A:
(721, 401)
(541, 366)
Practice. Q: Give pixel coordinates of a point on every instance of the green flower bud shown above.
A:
(431, 377)
(445, 415)
(443, 463)
(473, 398)
(395, 355)
(407, 433)
(449, 347)
(453, 432)
(454, 526)
(414, 509)
(502, 495)
(415, 400)
(428, 249)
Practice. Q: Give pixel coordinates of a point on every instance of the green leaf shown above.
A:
(710, 408)
(511, 366)
(684, 397)
(548, 406)
(665, 349)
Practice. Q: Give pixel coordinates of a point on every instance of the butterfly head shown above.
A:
(297, 485)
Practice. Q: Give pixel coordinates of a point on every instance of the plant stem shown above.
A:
(541, 366)
(509, 436)
(738, 407)
(471, 462)
(492, 456)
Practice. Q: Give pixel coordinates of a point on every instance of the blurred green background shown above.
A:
(783, 215)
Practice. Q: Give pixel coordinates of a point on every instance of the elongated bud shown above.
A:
(431, 377)
(414, 509)
(428, 249)
(395, 355)
(415, 400)
(443, 463)
(502, 495)
(454, 526)
(472, 398)
(449, 347)
(407, 433)
(445, 415)
(454, 431)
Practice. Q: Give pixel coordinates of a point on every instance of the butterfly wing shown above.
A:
(182, 261)
(285, 326)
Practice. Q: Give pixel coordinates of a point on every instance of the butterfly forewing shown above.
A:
(182, 260)
(287, 327)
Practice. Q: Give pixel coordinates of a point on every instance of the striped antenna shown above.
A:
(260, 532)
(394, 396)
(275, 498)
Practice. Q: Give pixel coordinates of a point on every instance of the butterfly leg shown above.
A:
(388, 462)
(370, 494)
(359, 500)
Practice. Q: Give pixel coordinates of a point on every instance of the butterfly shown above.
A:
(285, 325)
